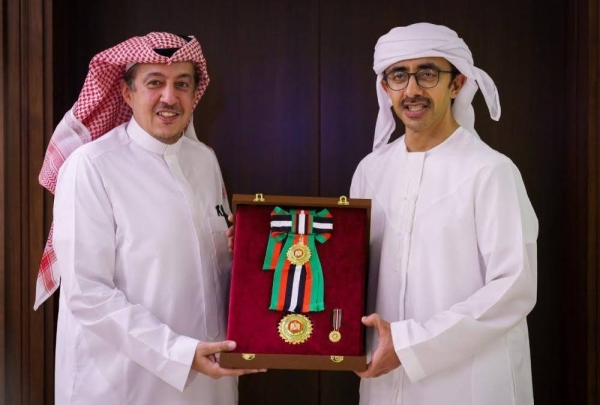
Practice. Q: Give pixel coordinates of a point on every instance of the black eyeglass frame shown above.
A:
(454, 72)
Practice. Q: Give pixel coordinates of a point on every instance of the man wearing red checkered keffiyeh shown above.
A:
(139, 237)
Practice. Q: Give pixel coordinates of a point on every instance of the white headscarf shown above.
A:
(430, 40)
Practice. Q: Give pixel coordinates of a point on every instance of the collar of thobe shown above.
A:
(438, 147)
(148, 142)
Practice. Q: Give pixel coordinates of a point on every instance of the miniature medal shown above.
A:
(335, 335)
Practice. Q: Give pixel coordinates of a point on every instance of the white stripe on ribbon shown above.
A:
(280, 224)
(320, 225)
(302, 223)
(295, 288)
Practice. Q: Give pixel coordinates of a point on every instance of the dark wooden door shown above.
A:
(291, 109)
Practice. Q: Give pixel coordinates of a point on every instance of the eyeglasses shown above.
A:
(426, 78)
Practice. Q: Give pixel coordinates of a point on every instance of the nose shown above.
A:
(169, 95)
(412, 90)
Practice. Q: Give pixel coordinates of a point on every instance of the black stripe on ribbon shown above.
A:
(322, 220)
(289, 287)
(302, 289)
(281, 218)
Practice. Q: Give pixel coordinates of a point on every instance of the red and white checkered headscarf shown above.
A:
(100, 107)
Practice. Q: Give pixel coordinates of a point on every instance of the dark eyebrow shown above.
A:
(397, 69)
(428, 65)
(185, 76)
(162, 76)
(153, 74)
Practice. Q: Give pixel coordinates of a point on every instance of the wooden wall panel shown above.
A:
(32, 145)
(3, 269)
(582, 281)
(13, 310)
(594, 153)
(27, 362)
(593, 257)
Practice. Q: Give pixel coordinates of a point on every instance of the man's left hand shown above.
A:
(230, 234)
(384, 357)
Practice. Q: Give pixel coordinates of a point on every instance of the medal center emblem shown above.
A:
(295, 328)
(298, 254)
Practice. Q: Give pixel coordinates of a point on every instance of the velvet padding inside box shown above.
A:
(343, 257)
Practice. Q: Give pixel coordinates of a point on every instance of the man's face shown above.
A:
(162, 98)
(425, 110)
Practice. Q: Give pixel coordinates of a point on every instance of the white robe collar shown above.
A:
(148, 142)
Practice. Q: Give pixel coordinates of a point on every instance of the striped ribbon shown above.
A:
(297, 288)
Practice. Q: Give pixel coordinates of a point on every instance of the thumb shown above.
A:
(218, 347)
(370, 320)
(227, 345)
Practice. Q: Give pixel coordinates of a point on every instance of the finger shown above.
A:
(384, 371)
(368, 373)
(234, 372)
(229, 234)
(208, 348)
(372, 372)
(242, 371)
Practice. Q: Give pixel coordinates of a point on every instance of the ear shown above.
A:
(457, 84)
(385, 87)
(126, 93)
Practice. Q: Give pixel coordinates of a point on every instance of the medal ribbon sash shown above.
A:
(298, 285)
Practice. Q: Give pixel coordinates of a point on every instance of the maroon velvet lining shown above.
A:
(344, 260)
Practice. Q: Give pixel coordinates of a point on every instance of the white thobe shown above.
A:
(145, 271)
(454, 269)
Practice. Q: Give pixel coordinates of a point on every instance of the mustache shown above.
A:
(415, 100)
(166, 107)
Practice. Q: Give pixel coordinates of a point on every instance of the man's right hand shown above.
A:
(385, 358)
(230, 233)
(206, 363)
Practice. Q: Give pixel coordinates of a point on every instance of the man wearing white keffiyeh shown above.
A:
(139, 242)
(453, 270)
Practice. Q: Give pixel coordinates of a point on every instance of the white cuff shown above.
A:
(178, 372)
(407, 356)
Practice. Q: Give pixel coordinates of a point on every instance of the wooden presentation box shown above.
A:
(284, 339)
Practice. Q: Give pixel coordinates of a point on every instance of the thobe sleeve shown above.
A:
(506, 228)
(85, 245)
